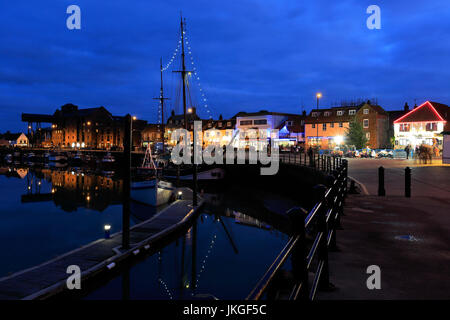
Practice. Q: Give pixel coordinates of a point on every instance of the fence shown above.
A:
(323, 220)
(324, 163)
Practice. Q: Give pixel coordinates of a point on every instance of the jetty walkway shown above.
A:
(49, 278)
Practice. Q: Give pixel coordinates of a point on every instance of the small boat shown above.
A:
(77, 159)
(31, 157)
(108, 158)
(202, 174)
(152, 192)
(57, 157)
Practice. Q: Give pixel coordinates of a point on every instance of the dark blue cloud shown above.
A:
(250, 55)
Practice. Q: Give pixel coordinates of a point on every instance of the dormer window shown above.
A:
(340, 112)
(315, 114)
(352, 112)
(366, 111)
(327, 113)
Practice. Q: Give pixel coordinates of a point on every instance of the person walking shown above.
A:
(407, 149)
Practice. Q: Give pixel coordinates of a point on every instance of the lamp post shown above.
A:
(318, 96)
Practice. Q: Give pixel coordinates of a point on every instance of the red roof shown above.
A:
(428, 111)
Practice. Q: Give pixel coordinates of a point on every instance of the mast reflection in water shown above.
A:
(219, 257)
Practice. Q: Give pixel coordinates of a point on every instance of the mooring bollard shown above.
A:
(408, 182)
(381, 191)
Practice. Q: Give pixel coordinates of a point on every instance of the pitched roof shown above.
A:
(427, 111)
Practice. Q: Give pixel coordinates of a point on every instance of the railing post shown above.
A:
(297, 216)
(324, 283)
(408, 182)
(381, 191)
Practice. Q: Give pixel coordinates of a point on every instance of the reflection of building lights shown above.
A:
(88, 198)
(53, 190)
(88, 123)
(29, 188)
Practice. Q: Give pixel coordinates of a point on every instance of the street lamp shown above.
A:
(318, 96)
(134, 118)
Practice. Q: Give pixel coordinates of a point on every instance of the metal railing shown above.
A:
(321, 222)
(326, 163)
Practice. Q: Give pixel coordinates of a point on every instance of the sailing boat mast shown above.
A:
(161, 99)
(183, 73)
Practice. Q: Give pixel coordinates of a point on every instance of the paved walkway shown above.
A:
(408, 238)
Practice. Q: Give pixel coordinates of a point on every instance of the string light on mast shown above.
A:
(196, 77)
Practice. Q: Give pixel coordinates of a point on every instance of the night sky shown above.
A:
(250, 55)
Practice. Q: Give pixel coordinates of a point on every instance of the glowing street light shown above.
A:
(318, 96)
(134, 118)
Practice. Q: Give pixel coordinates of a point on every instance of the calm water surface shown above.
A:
(46, 212)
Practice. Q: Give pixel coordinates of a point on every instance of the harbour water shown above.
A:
(46, 212)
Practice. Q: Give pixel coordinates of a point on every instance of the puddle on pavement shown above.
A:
(408, 237)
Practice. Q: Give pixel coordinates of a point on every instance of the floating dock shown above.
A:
(49, 278)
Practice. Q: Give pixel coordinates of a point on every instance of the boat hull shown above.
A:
(152, 193)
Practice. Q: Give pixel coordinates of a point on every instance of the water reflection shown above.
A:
(46, 212)
(218, 257)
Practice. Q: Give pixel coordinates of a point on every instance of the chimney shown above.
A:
(406, 107)
(304, 113)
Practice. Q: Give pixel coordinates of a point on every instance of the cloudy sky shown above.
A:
(250, 55)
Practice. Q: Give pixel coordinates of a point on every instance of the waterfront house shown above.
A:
(72, 127)
(328, 127)
(422, 125)
(375, 122)
(252, 125)
(14, 140)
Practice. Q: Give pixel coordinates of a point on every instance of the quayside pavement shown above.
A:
(408, 238)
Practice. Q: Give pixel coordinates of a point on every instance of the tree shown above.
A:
(356, 135)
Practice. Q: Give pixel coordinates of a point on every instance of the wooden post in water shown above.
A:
(127, 143)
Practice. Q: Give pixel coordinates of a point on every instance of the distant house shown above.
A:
(14, 140)
(266, 123)
(422, 125)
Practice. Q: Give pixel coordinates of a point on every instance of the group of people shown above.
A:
(422, 152)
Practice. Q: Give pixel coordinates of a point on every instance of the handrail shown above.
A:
(325, 215)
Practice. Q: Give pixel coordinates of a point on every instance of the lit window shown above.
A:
(352, 112)
(366, 123)
(404, 127)
(366, 111)
(368, 135)
(327, 113)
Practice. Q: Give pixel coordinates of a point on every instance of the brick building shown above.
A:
(328, 127)
(94, 128)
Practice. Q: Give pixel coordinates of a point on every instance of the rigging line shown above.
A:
(203, 96)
